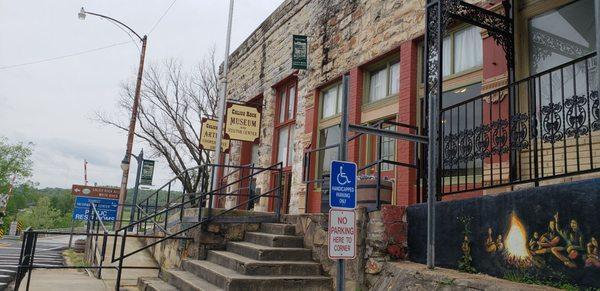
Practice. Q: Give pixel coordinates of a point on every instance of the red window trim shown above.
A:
(285, 87)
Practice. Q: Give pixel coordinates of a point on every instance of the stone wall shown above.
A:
(215, 236)
(381, 237)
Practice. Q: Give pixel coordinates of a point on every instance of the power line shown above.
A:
(63, 56)
(161, 17)
(90, 50)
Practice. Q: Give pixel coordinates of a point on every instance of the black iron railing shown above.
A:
(546, 126)
(313, 177)
(155, 210)
(159, 215)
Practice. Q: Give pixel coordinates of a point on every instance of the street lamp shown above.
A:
(134, 110)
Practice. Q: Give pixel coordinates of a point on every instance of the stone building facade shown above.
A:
(379, 44)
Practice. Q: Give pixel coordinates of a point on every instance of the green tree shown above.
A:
(42, 215)
(15, 160)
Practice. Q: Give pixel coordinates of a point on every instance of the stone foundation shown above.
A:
(381, 237)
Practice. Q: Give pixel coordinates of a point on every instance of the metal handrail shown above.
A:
(324, 177)
(212, 192)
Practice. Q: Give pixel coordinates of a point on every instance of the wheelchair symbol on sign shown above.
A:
(342, 179)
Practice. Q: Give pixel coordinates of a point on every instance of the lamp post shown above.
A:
(134, 111)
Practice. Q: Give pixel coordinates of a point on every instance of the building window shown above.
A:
(331, 101)
(561, 35)
(285, 145)
(388, 149)
(383, 81)
(557, 37)
(327, 137)
(462, 51)
(462, 119)
(285, 123)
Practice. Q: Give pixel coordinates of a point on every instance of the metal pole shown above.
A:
(222, 97)
(597, 13)
(131, 132)
(433, 131)
(343, 155)
(140, 160)
(71, 235)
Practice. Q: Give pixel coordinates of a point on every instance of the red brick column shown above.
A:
(407, 113)
(310, 128)
(355, 93)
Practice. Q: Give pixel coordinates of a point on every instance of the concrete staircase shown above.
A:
(271, 259)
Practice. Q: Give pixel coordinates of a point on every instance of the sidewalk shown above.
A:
(72, 279)
(63, 279)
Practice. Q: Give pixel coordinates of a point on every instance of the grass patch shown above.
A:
(447, 282)
(74, 259)
(556, 283)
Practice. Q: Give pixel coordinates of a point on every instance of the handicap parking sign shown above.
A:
(342, 185)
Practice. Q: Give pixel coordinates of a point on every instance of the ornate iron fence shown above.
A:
(543, 127)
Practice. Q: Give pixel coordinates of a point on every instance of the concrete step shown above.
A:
(247, 266)
(154, 284)
(9, 266)
(7, 271)
(266, 253)
(274, 240)
(278, 228)
(187, 281)
(233, 281)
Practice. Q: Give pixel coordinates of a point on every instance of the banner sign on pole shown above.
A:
(98, 192)
(107, 208)
(147, 172)
(342, 185)
(208, 136)
(242, 122)
(300, 52)
(342, 234)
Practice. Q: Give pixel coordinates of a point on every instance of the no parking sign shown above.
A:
(342, 234)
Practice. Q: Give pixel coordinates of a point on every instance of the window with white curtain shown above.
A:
(331, 101)
(462, 51)
(384, 82)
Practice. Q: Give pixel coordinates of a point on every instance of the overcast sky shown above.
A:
(53, 103)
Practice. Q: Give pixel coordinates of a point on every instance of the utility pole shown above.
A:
(131, 134)
(222, 101)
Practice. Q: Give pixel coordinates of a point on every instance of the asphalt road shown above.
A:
(48, 253)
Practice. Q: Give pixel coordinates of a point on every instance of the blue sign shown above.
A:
(342, 185)
(107, 208)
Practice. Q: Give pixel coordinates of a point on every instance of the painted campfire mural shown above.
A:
(546, 233)
(559, 249)
(565, 244)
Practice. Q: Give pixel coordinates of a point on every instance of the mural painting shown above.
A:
(548, 233)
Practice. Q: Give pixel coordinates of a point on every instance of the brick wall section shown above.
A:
(396, 226)
(407, 113)
(355, 92)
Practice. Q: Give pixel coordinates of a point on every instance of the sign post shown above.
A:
(342, 199)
